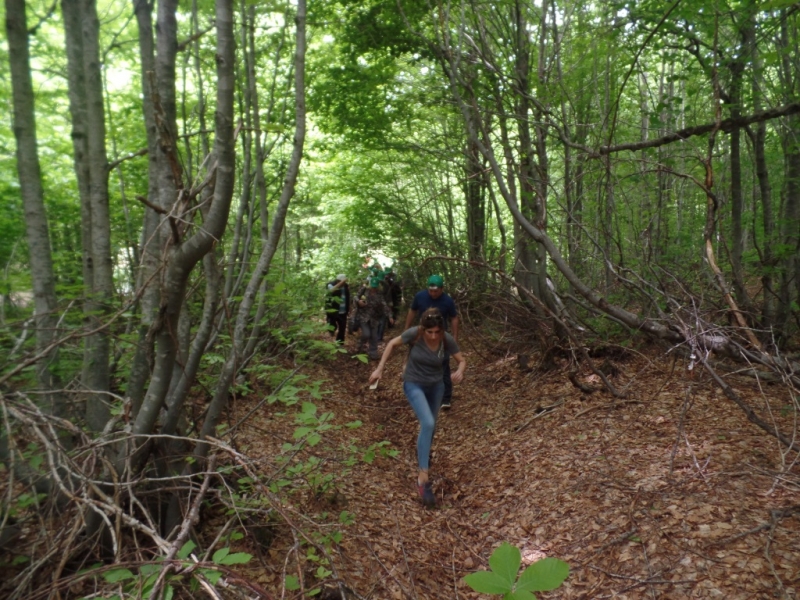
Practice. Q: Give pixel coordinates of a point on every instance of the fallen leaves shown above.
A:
(638, 508)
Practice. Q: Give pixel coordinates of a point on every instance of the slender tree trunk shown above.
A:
(261, 184)
(183, 255)
(240, 337)
(737, 200)
(788, 263)
(96, 375)
(186, 377)
(81, 28)
(542, 110)
(30, 180)
(72, 11)
(473, 194)
(164, 176)
(790, 231)
(526, 255)
(764, 187)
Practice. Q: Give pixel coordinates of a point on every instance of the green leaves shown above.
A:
(505, 561)
(488, 582)
(186, 550)
(118, 575)
(544, 575)
(223, 557)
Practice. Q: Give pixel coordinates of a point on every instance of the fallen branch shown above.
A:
(748, 410)
(540, 412)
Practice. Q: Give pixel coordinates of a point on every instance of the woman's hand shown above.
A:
(376, 375)
(387, 352)
(457, 377)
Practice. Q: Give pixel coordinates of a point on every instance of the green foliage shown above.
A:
(543, 575)
(139, 582)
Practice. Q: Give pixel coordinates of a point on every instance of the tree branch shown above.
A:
(725, 125)
(114, 164)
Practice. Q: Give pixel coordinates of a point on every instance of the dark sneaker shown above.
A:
(446, 404)
(426, 494)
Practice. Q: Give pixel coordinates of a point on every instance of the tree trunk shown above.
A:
(475, 200)
(790, 231)
(30, 181)
(183, 255)
(82, 30)
(240, 338)
(764, 186)
(542, 110)
(525, 256)
(787, 262)
(737, 202)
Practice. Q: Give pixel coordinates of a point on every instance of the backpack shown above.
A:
(332, 298)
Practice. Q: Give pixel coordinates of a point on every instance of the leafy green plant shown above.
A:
(543, 575)
(140, 584)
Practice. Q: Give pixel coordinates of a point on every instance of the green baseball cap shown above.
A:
(435, 281)
(374, 282)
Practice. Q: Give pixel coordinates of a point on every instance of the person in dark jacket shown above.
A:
(372, 309)
(337, 305)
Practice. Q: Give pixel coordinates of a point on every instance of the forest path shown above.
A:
(656, 498)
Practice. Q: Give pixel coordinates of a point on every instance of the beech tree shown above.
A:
(82, 30)
(37, 230)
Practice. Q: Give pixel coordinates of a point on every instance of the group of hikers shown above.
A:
(369, 311)
(427, 378)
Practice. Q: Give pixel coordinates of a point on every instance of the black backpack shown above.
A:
(331, 305)
(334, 299)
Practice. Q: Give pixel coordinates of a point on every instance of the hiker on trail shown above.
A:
(434, 297)
(337, 305)
(393, 292)
(372, 308)
(423, 383)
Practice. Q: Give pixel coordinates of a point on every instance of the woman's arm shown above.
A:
(458, 376)
(387, 352)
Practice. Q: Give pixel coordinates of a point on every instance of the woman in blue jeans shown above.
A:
(423, 383)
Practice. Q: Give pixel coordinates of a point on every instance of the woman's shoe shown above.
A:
(425, 492)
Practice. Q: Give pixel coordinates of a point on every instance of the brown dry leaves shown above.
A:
(667, 498)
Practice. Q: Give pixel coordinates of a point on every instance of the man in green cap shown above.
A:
(434, 297)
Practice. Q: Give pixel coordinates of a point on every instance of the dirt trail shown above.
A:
(668, 495)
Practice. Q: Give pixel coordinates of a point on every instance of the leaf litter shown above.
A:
(675, 495)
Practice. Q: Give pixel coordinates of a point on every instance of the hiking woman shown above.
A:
(423, 383)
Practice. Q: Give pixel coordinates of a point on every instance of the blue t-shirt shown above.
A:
(445, 304)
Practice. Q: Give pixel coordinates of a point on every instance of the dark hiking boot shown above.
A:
(425, 492)
(446, 403)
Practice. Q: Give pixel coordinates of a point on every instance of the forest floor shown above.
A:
(668, 493)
